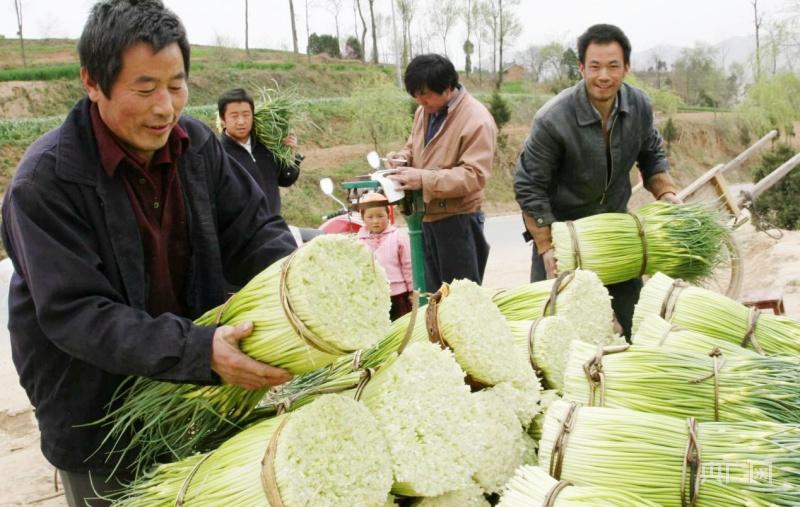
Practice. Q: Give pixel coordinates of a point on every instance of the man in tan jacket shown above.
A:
(449, 157)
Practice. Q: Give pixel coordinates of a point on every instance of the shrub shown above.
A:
(778, 206)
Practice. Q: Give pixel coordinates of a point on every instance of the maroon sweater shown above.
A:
(157, 202)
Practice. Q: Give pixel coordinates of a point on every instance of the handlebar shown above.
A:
(335, 214)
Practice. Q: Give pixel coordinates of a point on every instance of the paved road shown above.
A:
(510, 258)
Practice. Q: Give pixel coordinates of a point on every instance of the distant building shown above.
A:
(513, 72)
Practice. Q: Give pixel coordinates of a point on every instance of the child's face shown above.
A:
(377, 219)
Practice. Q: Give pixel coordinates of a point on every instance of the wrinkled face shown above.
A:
(238, 121)
(146, 99)
(377, 219)
(432, 102)
(604, 69)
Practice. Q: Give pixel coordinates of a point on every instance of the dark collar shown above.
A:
(585, 110)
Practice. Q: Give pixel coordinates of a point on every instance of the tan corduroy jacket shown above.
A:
(458, 159)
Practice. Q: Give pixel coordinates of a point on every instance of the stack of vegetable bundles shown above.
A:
(296, 306)
(684, 240)
(532, 486)
(578, 296)
(717, 316)
(330, 452)
(709, 386)
(672, 461)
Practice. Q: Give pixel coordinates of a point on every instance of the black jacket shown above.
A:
(262, 166)
(77, 297)
(562, 172)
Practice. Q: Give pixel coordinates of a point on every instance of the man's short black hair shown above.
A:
(604, 34)
(116, 25)
(433, 72)
(231, 96)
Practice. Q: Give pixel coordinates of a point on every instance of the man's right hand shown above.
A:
(235, 367)
(549, 258)
(394, 159)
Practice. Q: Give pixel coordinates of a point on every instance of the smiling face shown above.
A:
(377, 219)
(146, 98)
(238, 121)
(603, 70)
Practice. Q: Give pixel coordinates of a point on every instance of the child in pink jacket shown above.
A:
(391, 247)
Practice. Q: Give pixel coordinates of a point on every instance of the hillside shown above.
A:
(332, 132)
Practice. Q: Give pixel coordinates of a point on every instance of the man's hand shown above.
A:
(549, 258)
(394, 159)
(290, 141)
(236, 368)
(670, 197)
(407, 178)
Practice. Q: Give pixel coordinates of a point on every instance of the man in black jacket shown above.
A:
(582, 145)
(123, 225)
(236, 109)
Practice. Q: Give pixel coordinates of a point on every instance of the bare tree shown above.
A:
(443, 15)
(533, 61)
(363, 32)
(246, 29)
(294, 27)
(480, 32)
(406, 8)
(396, 48)
(374, 31)
(509, 29)
(490, 15)
(335, 7)
(468, 46)
(18, 9)
(308, 32)
(758, 19)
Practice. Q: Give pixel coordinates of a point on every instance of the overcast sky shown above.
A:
(647, 23)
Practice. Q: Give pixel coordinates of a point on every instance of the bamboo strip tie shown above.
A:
(719, 362)
(550, 497)
(560, 445)
(179, 499)
(750, 335)
(268, 480)
(531, 347)
(692, 462)
(560, 283)
(412, 322)
(576, 250)
(672, 329)
(593, 369)
(643, 239)
(297, 325)
(671, 299)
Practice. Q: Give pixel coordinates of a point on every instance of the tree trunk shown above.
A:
(294, 27)
(308, 32)
(374, 32)
(18, 8)
(468, 57)
(246, 30)
(757, 23)
(363, 33)
(500, 46)
(396, 49)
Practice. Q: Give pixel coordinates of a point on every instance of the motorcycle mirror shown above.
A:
(373, 159)
(326, 185)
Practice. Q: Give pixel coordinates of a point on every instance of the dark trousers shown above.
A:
(82, 489)
(455, 248)
(624, 294)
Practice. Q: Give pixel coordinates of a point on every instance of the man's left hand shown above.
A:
(670, 197)
(291, 141)
(407, 178)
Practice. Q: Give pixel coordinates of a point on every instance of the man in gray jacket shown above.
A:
(577, 158)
